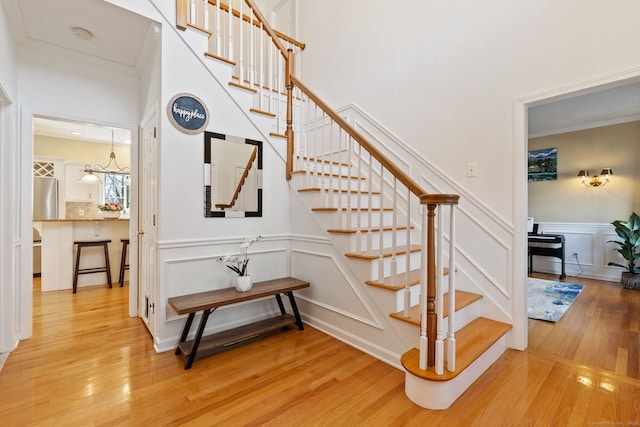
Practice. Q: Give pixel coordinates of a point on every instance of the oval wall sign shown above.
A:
(188, 113)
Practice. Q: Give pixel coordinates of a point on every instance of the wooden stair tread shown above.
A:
(463, 299)
(279, 135)
(313, 159)
(386, 252)
(219, 58)
(265, 113)
(364, 230)
(332, 175)
(353, 209)
(471, 342)
(414, 279)
(241, 86)
(336, 190)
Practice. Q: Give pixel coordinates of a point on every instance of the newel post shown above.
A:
(289, 65)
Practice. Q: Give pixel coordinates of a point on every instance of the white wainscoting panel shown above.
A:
(587, 252)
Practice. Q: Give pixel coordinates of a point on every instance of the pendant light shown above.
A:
(90, 171)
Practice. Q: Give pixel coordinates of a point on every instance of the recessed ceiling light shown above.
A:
(82, 33)
(75, 132)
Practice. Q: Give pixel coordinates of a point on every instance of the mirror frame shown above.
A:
(208, 136)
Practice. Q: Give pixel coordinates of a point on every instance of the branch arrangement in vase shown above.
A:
(239, 263)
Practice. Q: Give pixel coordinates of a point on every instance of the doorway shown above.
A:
(65, 151)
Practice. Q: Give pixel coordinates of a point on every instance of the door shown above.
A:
(147, 234)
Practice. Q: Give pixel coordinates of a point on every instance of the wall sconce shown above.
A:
(595, 180)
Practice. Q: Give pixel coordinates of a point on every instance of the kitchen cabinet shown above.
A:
(76, 191)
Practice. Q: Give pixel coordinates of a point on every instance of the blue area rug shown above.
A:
(549, 300)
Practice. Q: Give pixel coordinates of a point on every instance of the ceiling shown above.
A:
(118, 37)
(600, 108)
(80, 131)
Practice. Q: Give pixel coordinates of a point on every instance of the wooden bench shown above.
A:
(209, 301)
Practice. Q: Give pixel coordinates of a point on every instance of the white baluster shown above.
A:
(349, 173)
(380, 227)
(217, 30)
(369, 211)
(331, 187)
(359, 203)
(451, 335)
(439, 295)
(205, 17)
(230, 35)
(261, 65)
(241, 43)
(394, 232)
(252, 59)
(407, 287)
(193, 18)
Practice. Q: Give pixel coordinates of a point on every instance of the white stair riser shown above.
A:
(410, 333)
(348, 241)
(328, 182)
(346, 219)
(340, 199)
(441, 394)
(368, 269)
(400, 265)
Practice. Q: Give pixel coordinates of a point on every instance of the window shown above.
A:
(116, 189)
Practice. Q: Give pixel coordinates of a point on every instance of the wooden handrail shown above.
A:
(267, 28)
(245, 174)
(439, 199)
(182, 22)
(386, 163)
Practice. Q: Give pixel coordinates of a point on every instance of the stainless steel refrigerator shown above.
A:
(45, 198)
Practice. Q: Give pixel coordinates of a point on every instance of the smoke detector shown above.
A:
(82, 33)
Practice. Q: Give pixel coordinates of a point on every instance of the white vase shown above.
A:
(110, 214)
(243, 283)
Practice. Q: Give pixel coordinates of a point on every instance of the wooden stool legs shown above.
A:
(106, 269)
(123, 261)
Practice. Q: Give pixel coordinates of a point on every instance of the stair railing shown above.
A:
(261, 57)
(338, 160)
(240, 184)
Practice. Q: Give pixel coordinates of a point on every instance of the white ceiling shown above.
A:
(601, 108)
(80, 131)
(118, 36)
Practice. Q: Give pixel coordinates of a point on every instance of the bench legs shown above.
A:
(185, 331)
(203, 323)
(198, 338)
(294, 307)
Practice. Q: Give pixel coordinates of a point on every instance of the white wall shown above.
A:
(9, 244)
(566, 199)
(444, 76)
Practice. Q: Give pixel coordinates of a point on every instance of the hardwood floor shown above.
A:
(89, 364)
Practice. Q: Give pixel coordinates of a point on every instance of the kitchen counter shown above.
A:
(83, 220)
(58, 250)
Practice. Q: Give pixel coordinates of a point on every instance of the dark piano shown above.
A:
(554, 247)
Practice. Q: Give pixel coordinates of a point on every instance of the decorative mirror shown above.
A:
(232, 176)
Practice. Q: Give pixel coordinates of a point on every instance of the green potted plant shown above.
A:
(629, 232)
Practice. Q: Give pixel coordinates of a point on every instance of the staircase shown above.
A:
(394, 236)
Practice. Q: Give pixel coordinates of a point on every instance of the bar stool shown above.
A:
(105, 269)
(123, 265)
